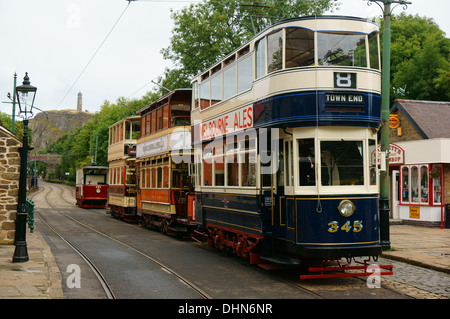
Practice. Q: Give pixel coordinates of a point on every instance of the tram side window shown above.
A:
(373, 51)
(299, 47)
(260, 58)
(136, 130)
(216, 89)
(219, 165)
(205, 94)
(229, 81)
(343, 49)
(245, 73)
(207, 166)
(195, 95)
(275, 51)
(342, 162)
(307, 166)
(248, 161)
(165, 120)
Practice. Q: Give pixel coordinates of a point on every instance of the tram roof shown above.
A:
(164, 97)
(319, 17)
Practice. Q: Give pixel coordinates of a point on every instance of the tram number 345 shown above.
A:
(356, 227)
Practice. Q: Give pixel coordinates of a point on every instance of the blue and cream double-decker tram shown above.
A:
(284, 129)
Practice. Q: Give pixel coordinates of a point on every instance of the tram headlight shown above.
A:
(346, 208)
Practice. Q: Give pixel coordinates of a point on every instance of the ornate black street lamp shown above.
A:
(25, 98)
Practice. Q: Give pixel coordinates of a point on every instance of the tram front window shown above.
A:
(342, 163)
(343, 49)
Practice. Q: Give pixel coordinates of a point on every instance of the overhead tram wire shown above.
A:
(95, 53)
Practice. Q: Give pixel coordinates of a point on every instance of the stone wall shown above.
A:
(408, 132)
(9, 184)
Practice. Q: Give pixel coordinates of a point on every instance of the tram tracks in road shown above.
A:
(202, 293)
(109, 292)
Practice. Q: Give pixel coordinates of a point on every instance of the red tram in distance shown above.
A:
(163, 181)
(92, 186)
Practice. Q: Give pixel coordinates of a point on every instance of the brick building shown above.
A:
(420, 162)
(9, 183)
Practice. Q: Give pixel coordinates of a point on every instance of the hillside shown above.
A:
(49, 126)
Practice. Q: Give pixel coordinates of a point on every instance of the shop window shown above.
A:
(415, 185)
(435, 174)
(405, 184)
(424, 184)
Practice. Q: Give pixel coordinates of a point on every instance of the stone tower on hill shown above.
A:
(80, 102)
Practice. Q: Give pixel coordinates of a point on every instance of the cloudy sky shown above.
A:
(62, 46)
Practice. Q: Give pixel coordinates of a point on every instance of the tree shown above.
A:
(206, 32)
(6, 121)
(420, 55)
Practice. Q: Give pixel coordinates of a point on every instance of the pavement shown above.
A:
(40, 277)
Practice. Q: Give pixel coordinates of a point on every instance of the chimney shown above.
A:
(79, 102)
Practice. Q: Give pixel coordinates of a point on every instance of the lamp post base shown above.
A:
(384, 224)
(20, 253)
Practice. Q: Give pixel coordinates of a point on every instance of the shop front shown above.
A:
(420, 175)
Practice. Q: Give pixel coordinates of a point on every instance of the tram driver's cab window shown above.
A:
(342, 163)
